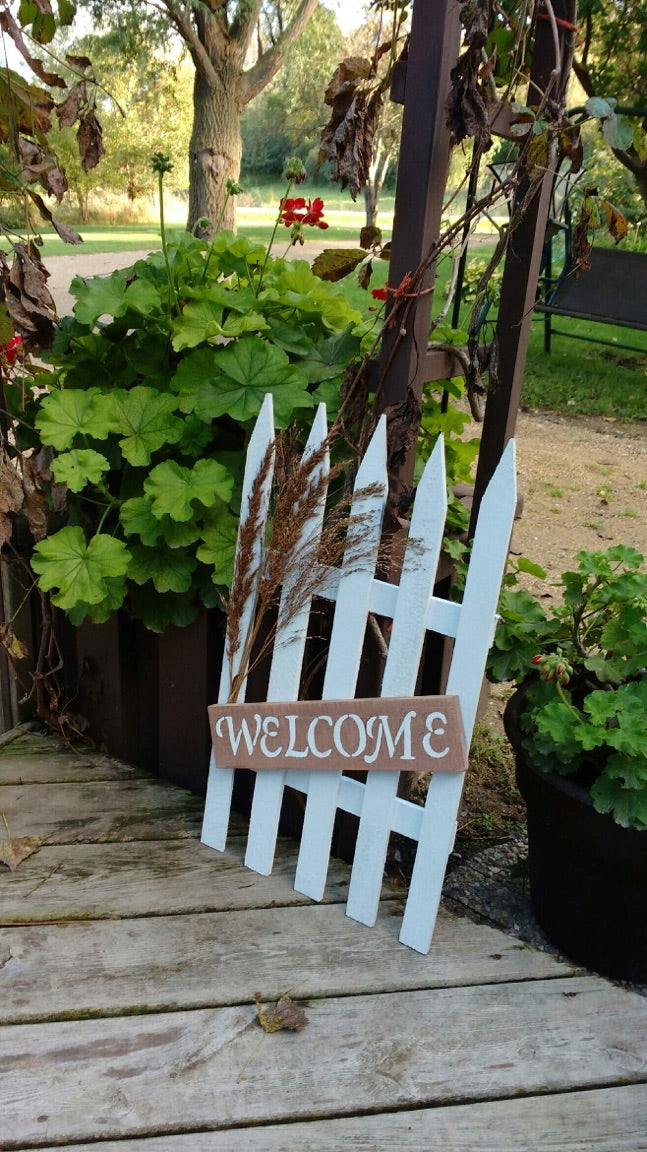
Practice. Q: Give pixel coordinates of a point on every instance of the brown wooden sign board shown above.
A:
(404, 734)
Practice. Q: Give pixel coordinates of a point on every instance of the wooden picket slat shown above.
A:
(285, 674)
(475, 633)
(419, 568)
(345, 651)
(220, 782)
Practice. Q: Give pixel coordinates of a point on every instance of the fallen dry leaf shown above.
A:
(14, 851)
(285, 1015)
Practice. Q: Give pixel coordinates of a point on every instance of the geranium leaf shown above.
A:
(157, 611)
(330, 358)
(64, 415)
(219, 547)
(628, 805)
(78, 569)
(146, 417)
(289, 338)
(200, 320)
(169, 570)
(141, 296)
(79, 467)
(100, 296)
(173, 488)
(137, 519)
(116, 588)
(294, 283)
(235, 380)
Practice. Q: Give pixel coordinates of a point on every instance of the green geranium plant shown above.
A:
(154, 388)
(583, 708)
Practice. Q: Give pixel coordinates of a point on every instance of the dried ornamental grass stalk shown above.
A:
(281, 558)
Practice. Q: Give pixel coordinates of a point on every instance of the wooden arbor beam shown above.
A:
(422, 175)
(523, 258)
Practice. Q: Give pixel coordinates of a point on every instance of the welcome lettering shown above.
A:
(412, 734)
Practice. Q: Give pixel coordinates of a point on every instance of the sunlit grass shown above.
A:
(577, 378)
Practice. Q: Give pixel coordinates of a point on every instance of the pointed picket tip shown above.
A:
(318, 432)
(433, 482)
(503, 483)
(264, 427)
(373, 466)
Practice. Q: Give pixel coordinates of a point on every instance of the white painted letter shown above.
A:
(361, 735)
(243, 733)
(312, 744)
(432, 731)
(291, 750)
(384, 732)
(270, 728)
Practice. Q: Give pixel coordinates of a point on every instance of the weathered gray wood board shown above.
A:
(63, 767)
(107, 1078)
(594, 1121)
(62, 813)
(54, 970)
(162, 877)
(128, 969)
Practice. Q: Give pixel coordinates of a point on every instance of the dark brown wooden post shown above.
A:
(422, 175)
(521, 272)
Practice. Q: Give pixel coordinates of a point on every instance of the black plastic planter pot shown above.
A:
(588, 876)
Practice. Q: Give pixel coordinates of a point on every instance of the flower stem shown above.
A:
(173, 300)
(272, 237)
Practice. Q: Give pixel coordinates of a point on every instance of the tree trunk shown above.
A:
(370, 205)
(215, 149)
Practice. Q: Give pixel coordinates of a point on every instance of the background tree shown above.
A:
(287, 116)
(149, 107)
(221, 37)
(611, 62)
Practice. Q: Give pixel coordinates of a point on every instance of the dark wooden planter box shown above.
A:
(588, 876)
(144, 695)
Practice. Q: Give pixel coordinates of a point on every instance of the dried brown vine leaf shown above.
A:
(335, 263)
(14, 850)
(36, 509)
(12, 643)
(370, 236)
(69, 109)
(90, 141)
(6, 529)
(23, 287)
(617, 223)
(11, 489)
(285, 1015)
(467, 109)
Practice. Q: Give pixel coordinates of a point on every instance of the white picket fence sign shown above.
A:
(414, 609)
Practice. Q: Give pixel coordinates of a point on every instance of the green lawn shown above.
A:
(577, 377)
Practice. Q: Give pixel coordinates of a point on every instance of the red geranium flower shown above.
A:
(10, 351)
(300, 211)
(380, 293)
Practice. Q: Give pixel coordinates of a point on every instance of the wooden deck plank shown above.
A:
(596, 1121)
(183, 1071)
(64, 768)
(114, 967)
(160, 877)
(100, 811)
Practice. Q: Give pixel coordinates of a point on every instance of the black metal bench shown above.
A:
(612, 291)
